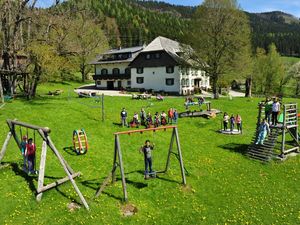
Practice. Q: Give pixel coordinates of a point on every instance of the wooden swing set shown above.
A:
(118, 161)
(44, 134)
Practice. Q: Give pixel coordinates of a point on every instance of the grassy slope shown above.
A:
(226, 186)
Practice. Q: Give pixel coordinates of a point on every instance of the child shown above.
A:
(135, 120)
(275, 112)
(238, 121)
(232, 122)
(149, 120)
(156, 120)
(263, 130)
(30, 153)
(143, 116)
(23, 150)
(146, 149)
(170, 115)
(268, 109)
(163, 118)
(124, 117)
(175, 116)
(225, 121)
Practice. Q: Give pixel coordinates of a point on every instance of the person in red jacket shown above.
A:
(170, 115)
(30, 153)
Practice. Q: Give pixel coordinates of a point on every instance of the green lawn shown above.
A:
(291, 60)
(225, 187)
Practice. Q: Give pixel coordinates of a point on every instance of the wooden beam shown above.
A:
(121, 168)
(62, 162)
(4, 147)
(56, 183)
(180, 156)
(42, 171)
(144, 130)
(34, 127)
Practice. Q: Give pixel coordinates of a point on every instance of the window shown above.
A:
(148, 56)
(140, 80)
(129, 82)
(127, 71)
(182, 82)
(170, 69)
(187, 82)
(116, 71)
(104, 72)
(98, 82)
(157, 55)
(140, 70)
(170, 81)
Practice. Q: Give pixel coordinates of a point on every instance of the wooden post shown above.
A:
(62, 162)
(180, 156)
(121, 168)
(113, 177)
(42, 171)
(170, 151)
(1, 91)
(102, 107)
(4, 147)
(283, 131)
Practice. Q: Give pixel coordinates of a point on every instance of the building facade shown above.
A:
(112, 70)
(157, 67)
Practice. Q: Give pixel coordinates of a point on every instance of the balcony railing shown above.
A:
(123, 76)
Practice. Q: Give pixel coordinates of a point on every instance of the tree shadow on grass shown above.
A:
(67, 196)
(233, 147)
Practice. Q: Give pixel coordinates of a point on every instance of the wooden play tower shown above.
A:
(288, 127)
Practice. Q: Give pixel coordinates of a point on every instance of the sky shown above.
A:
(288, 6)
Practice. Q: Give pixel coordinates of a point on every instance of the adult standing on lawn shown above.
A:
(275, 112)
(124, 117)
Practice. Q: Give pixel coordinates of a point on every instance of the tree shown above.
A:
(294, 74)
(220, 36)
(88, 40)
(270, 76)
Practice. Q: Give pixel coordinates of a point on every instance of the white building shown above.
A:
(156, 67)
(112, 70)
(159, 67)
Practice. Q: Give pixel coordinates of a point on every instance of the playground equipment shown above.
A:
(208, 113)
(289, 126)
(44, 134)
(118, 162)
(80, 141)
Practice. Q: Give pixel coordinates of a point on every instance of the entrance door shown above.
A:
(110, 85)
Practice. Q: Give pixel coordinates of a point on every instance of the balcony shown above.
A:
(124, 76)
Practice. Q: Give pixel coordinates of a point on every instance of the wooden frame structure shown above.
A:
(288, 126)
(118, 161)
(44, 134)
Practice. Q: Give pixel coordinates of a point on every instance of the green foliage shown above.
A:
(269, 72)
(224, 186)
(220, 49)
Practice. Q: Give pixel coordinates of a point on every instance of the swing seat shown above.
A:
(150, 175)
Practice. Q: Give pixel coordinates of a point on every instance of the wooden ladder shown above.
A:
(263, 152)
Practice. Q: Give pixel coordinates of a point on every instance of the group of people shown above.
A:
(272, 110)
(28, 150)
(146, 119)
(232, 121)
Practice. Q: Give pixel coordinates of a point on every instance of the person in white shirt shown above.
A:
(275, 112)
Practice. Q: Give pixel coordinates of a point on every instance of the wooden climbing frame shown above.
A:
(118, 161)
(44, 134)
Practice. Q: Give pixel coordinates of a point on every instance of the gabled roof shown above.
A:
(133, 51)
(161, 43)
(124, 50)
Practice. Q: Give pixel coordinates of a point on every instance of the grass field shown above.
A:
(224, 186)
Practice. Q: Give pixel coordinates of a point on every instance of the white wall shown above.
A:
(155, 78)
